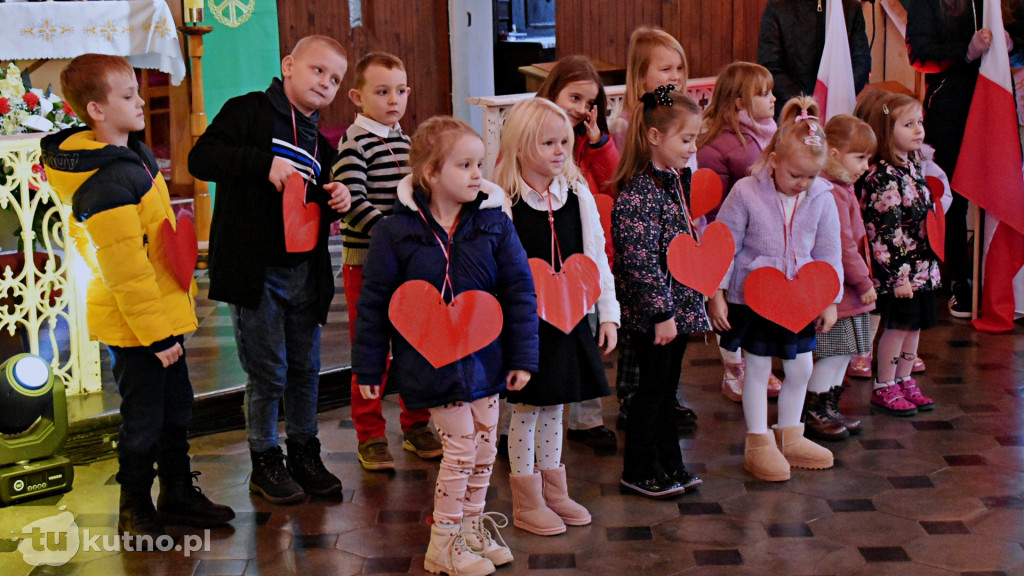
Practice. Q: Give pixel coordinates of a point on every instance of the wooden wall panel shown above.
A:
(417, 32)
(713, 33)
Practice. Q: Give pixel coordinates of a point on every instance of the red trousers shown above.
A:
(366, 414)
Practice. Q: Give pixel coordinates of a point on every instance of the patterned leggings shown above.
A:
(467, 431)
(535, 434)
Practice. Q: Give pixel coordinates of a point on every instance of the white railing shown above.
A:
(43, 303)
(495, 108)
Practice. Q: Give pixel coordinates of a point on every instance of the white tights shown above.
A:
(791, 397)
(828, 373)
(535, 433)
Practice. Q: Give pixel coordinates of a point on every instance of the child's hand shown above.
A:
(607, 337)
(980, 43)
(516, 379)
(869, 296)
(665, 332)
(826, 320)
(280, 170)
(904, 290)
(171, 355)
(341, 198)
(590, 122)
(369, 392)
(718, 312)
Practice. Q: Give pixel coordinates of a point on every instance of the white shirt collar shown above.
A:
(376, 128)
(558, 190)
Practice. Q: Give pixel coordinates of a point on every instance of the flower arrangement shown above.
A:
(32, 109)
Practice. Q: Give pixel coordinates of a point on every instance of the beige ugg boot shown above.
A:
(528, 509)
(448, 553)
(801, 452)
(480, 532)
(556, 496)
(761, 457)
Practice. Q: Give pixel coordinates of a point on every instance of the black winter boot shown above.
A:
(271, 479)
(819, 421)
(305, 465)
(137, 516)
(182, 502)
(852, 424)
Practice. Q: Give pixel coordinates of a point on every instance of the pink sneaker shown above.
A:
(732, 381)
(918, 366)
(890, 400)
(774, 385)
(860, 366)
(912, 393)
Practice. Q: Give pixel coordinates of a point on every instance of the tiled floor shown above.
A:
(938, 494)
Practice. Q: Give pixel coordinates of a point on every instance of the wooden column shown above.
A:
(197, 125)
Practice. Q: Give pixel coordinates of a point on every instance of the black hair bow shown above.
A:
(662, 96)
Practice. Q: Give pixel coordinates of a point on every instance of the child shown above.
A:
(657, 312)
(782, 216)
(575, 86)
(655, 59)
(136, 305)
(851, 145)
(896, 201)
(449, 230)
(278, 299)
(556, 217)
(738, 124)
(373, 156)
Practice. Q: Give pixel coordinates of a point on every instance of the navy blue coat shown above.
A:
(485, 255)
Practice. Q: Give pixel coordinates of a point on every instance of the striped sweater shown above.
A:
(372, 159)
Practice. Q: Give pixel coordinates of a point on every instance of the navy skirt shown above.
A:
(762, 337)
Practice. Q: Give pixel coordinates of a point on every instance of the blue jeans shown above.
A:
(156, 409)
(279, 348)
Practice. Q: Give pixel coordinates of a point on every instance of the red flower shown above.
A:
(67, 109)
(31, 100)
(5, 106)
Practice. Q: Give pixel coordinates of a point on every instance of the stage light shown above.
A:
(33, 428)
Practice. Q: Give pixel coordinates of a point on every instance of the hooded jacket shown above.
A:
(853, 239)
(119, 203)
(485, 255)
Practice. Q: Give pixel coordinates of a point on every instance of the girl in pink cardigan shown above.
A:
(851, 145)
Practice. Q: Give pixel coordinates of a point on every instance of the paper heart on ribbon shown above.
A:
(301, 220)
(564, 297)
(935, 221)
(442, 332)
(702, 266)
(705, 192)
(792, 304)
(181, 248)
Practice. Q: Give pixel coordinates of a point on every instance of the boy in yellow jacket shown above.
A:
(137, 305)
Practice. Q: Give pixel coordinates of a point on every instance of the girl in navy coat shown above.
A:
(448, 229)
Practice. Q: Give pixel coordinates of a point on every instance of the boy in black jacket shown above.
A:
(258, 146)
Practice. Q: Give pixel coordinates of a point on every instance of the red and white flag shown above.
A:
(834, 90)
(989, 173)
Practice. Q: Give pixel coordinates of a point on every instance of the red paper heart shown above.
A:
(702, 266)
(301, 220)
(935, 221)
(563, 298)
(705, 192)
(792, 304)
(605, 203)
(444, 333)
(181, 248)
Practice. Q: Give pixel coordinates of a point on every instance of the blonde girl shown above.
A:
(896, 200)
(658, 313)
(445, 203)
(851, 146)
(781, 216)
(738, 124)
(655, 59)
(556, 217)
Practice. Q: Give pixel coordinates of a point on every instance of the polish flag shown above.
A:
(988, 172)
(834, 91)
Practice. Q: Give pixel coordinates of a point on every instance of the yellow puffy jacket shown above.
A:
(119, 201)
